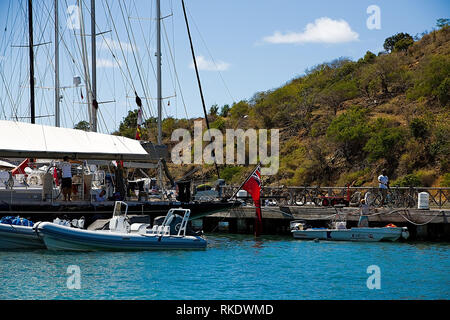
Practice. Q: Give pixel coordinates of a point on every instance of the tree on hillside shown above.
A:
(337, 93)
(401, 40)
(369, 57)
(384, 141)
(350, 131)
(127, 127)
(214, 110)
(442, 22)
(386, 72)
(433, 80)
(224, 111)
(82, 125)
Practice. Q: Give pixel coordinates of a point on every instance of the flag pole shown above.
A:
(259, 164)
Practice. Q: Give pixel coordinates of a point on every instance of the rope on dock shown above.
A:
(408, 214)
(357, 211)
(419, 224)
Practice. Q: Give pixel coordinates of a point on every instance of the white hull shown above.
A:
(57, 237)
(19, 237)
(353, 234)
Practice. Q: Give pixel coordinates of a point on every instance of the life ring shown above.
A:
(34, 179)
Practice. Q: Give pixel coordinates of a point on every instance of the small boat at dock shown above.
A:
(123, 236)
(339, 232)
(20, 233)
(13, 236)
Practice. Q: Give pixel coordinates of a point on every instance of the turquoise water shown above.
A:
(235, 267)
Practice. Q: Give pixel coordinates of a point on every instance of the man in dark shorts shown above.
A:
(66, 175)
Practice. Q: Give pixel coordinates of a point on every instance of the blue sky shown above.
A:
(255, 46)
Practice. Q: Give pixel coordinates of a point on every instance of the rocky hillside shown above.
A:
(343, 121)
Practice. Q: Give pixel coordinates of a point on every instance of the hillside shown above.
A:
(344, 121)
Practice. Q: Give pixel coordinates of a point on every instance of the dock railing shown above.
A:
(399, 197)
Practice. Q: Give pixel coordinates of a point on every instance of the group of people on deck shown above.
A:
(65, 170)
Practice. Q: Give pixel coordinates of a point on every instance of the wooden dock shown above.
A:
(430, 224)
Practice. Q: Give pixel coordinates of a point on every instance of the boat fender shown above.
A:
(391, 225)
(405, 233)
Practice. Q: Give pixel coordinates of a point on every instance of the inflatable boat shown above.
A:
(20, 233)
(19, 237)
(123, 236)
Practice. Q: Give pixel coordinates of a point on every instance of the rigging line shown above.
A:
(15, 106)
(177, 78)
(198, 79)
(146, 44)
(129, 81)
(133, 51)
(169, 50)
(9, 94)
(78, 49)
(210, 55)
(50, 64)
(120, 45)
(10, 38)
(6, 21)
(140, 59)
(82, 75)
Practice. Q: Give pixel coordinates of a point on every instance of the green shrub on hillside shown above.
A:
(419, 128)
(350, 130)
(231, 174)
(433, 80)
(384, 140)
(446, 180)
(409, 180)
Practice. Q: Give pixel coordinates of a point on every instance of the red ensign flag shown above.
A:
(253, 187)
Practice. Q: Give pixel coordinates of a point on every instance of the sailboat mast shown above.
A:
(57, 96)
(30, 35)
(85, 63)
(158, 68)
(94, 105)
(159, 80)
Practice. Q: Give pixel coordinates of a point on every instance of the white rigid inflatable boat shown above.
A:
(121, 235)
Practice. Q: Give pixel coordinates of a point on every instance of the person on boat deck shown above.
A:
(101, 196)
(364, 212)
(383, 185)
(66, 175)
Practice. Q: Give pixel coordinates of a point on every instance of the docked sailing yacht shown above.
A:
(21, 140)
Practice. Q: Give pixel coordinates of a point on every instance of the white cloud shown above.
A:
(323, 30)
(207, 65)
(110, 44)
(107, 63)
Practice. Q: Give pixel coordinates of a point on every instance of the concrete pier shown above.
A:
(431, 225)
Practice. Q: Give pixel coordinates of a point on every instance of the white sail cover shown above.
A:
(20, 139)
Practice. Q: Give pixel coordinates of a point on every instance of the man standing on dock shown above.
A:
(383, 185)
(66, 175)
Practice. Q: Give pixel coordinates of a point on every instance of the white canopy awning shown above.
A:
(25, 140)
(4, 164)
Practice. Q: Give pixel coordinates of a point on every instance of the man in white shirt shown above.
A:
(66, 175)
(383, 181)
